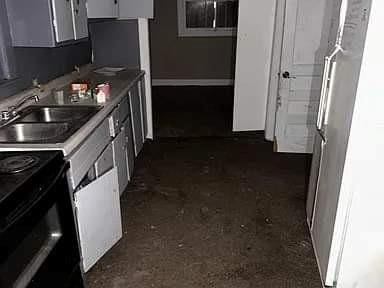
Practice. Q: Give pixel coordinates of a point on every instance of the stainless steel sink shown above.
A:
(57, 114)
(34, 132)
(50, 124)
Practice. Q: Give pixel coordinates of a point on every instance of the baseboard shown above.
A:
(192, 82)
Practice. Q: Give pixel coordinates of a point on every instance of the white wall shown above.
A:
(253, 61)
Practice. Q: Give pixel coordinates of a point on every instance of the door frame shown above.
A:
(145, 64)
(274, 78)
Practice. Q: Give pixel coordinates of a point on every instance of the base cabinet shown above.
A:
(119, 159)
(137, 118)
(98, 217)
(130, 150)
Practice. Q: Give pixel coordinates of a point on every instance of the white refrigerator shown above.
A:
(345, 204)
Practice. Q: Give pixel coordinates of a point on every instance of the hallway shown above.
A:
(212, 212)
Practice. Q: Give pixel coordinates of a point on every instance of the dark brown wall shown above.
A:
(176, 57)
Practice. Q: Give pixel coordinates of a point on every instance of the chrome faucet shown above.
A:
(12, 111)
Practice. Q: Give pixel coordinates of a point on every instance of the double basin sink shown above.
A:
(50, 124)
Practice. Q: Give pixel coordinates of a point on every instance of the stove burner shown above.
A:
(17, 164)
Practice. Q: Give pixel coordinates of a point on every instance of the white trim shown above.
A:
(145, 62)
(192, 82)
(270, 121)
(183, 31)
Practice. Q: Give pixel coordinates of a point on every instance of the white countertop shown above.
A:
(120, 85)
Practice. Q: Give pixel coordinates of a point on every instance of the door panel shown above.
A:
(63, 20)
(130, 148)
(119, 157)
(98, 217)
(137, 118)
(80, 19)
(305, 43)
(103, 8)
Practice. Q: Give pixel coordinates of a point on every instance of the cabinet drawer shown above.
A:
(118, 116)
(84, 157)
(105, 161)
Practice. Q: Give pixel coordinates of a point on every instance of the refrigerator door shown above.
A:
(331, 204)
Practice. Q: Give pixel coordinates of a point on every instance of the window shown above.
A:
(202, 18)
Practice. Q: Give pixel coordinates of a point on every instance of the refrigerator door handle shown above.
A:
(326, 89)
(330, 93)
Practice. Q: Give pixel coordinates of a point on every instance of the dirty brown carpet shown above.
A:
(212, 212)
(211, 209)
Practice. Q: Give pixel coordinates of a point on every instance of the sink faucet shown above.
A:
(12, 111)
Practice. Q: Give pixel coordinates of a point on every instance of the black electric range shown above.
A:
(38, 240)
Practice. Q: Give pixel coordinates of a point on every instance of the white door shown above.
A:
(253, 62)
(63, 21)
(305, 44)
(80, 19)
(98, 217)
(103, 8)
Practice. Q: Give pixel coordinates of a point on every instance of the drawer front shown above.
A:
(114, 123)
(83, 159)
(118, 116)
(105, 161)
(123, 110)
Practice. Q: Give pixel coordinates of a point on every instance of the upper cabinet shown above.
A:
(121, 9)
(103, 8)
(80, 19)
(46, 23)
(130, 9)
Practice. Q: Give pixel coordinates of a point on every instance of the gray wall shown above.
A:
(44, 64)
(115, 43)
(187, 57)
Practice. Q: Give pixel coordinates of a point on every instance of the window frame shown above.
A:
(184, 31)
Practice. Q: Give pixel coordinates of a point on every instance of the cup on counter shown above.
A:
(105, 88)
(103, 92)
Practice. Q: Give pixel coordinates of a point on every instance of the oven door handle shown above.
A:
(24, 208)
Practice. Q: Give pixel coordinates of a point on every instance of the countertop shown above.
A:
(120, 85)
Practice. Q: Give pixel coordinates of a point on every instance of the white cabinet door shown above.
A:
(305, 44)
(137, 118)
(143, 107)
(80, 19)
(130, 148)
(63, 20)
(98, 217)
(132, 9)
(103, 8)
(119, 158)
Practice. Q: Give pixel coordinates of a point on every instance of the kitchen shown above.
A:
(64, 91)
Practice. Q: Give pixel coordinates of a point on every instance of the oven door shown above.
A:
(38, 238)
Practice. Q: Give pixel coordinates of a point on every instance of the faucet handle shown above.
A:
(5, 115)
